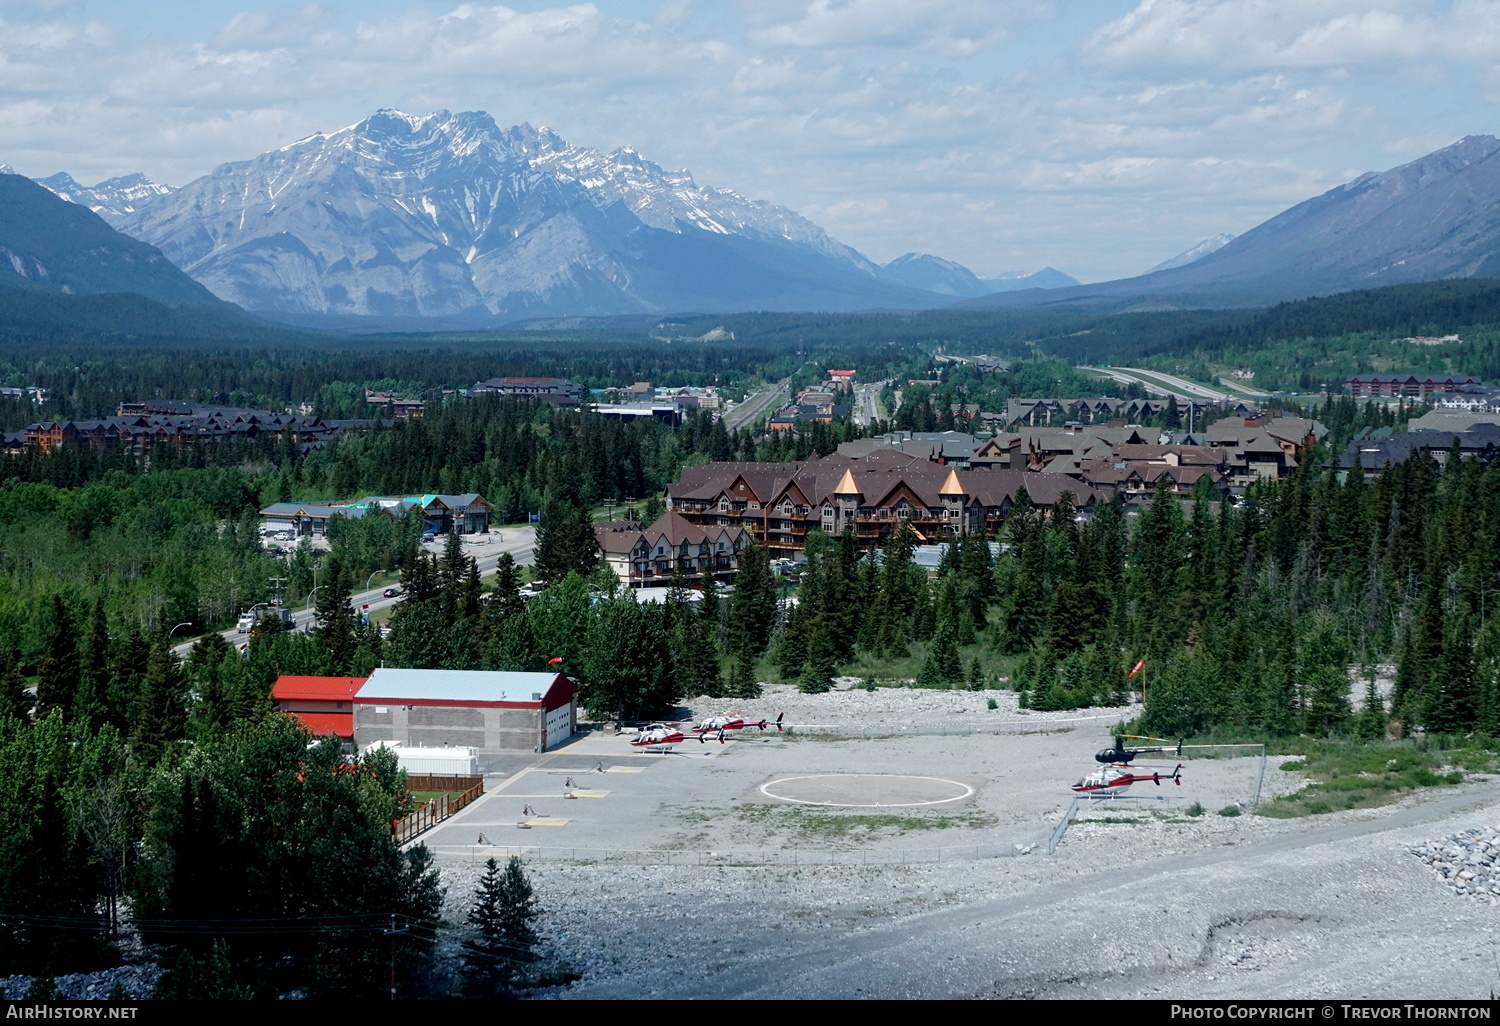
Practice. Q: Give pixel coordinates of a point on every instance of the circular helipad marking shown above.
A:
(866, 790)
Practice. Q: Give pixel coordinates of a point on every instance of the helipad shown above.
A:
(866, 790)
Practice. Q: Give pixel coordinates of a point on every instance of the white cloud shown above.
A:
(960, 27)
(1243, 34)
(1000, 135)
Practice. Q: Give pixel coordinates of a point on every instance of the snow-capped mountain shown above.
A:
(1197, 252)
(449, 215)
(925, 271)
(112, 199)
(1018, 281)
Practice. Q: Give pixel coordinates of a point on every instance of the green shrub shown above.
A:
(991, 704)
(1230, 810)
(1195, 809)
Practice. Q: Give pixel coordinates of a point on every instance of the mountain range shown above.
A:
(1436, 217)
(450, 220)
(449, 216)
(50, 245)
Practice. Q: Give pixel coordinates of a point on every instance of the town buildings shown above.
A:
(558, 391)
(139, 428)
(441, 514)
(646, 556)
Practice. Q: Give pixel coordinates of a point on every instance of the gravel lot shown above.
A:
(1139, 900)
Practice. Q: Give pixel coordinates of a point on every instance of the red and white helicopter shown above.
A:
(1116, 775)
(720, 724)
(658, 738)
(1107, 781)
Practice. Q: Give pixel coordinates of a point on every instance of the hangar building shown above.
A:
(490, 711)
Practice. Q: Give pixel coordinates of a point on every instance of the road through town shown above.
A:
(485, 549)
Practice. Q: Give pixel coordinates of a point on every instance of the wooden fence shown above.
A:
(430, 783)
(435, 811)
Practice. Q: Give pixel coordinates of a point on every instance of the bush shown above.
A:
(990, 703)
(1230, 810)
(1195, 809)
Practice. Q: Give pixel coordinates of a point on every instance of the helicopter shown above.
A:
(1108, 781)
(720, 724)
(658, 738)
(1121, 756)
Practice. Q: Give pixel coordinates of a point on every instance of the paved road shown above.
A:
(1154, 381)
(757, 405)
(865, 410)
(520, 542)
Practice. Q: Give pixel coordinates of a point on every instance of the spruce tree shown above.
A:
(57, 685)
(14, 702)
(163, 702)
(503, 937)
(742, 682)
(753, 608)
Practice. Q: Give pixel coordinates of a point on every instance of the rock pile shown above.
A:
(1469, 863)
(138, 981)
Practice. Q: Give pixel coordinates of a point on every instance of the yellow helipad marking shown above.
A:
(621, 769)
(547, 822)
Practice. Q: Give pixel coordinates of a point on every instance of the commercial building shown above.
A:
(325, 705)
(441, 514)
(490, 711)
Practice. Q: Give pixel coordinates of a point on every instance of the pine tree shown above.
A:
(14, 701)
(742, 682)
(503, 937)
(163, 715)
(57, 685)
(335, 618)
(976, 676)
(752, 610)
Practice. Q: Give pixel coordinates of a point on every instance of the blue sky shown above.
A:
(1097, 136)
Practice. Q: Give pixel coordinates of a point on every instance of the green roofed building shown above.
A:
(441, 514)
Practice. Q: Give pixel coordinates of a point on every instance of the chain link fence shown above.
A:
(739, 857)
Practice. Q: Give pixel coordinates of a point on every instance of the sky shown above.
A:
(1099, 137)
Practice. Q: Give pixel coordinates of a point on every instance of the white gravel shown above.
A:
(1157, 903)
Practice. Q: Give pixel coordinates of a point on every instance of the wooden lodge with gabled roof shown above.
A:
(778, 504)
(644, 556)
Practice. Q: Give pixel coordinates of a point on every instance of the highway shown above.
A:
(485, 549)
(757, 405)
(865, 410)
(1158, 383)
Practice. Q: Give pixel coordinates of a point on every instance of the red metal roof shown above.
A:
(317, 689)
(319, 724)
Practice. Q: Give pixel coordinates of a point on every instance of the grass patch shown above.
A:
(832, 825)
(1195, 809)
(1110, 819)
(423, 797)
(1230, 810)
(1349, 775)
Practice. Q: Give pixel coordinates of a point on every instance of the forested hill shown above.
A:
(29, 316)
(52, 245)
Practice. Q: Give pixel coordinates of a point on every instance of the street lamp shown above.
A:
(185, 623)
(372, 577)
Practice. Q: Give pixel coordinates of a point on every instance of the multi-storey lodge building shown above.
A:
(779, 503)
